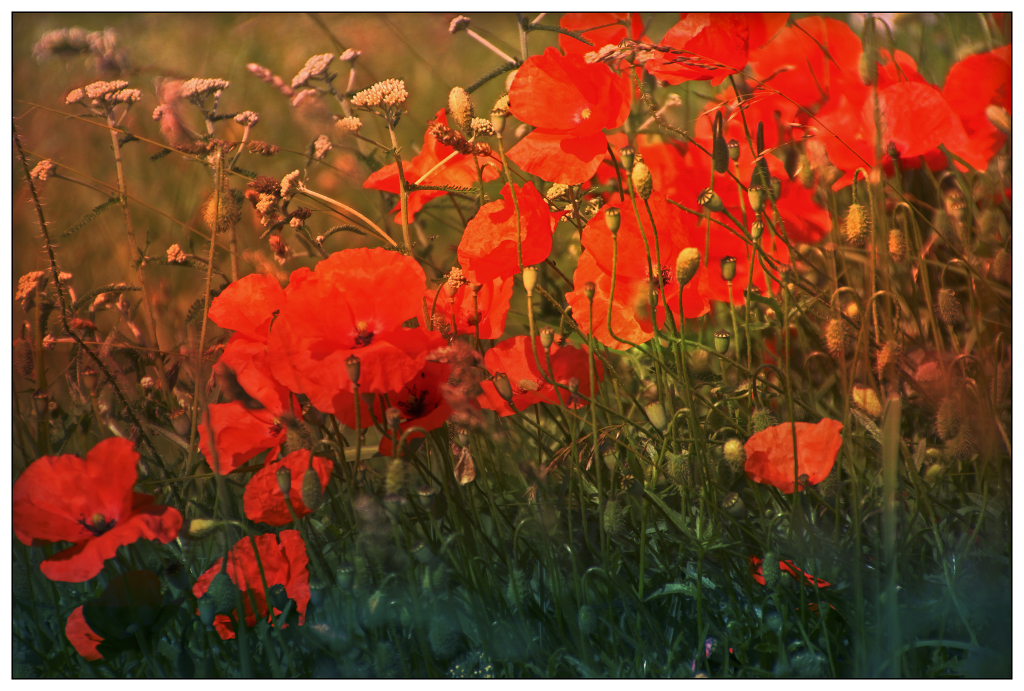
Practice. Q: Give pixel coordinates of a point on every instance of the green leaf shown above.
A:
(688, 589)
(90, 217)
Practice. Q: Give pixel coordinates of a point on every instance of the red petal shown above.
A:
(247, 305)
(559, 157)
(241, 434)
(770, 452)
(582, 21)
(263, 500)
(81, 636)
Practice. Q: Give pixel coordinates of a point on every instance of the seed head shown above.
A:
(710, 200)
(733, 505)
(262, 148)
(687, 264)
(349, 125)
(458, 24)
(481, 128)
(314, 67)
(614, 521)
(888, 357)
(756, 196)
(734, 149)
(547, 337)
(589, 289)
(75, 96)
(855, 230)
(728, 265)
(197, 90)
(461, 108)
(735, 454)
(722, 339)
(290, 184)
(321, 146)
(43, 170)
(627, 157)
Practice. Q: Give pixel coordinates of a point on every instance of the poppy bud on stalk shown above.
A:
(529, 279)
(719, 147)
(687, 264)
(950, 310)
(722, 341)
(503, 386)
(855, 230)
(734, 150)
(627, 155)
(656, 414)
(642, 181)
(613, 219)
(710, 200)
(312, 490)
(352, 368)
(284, 480)
(589, 289)
(207, 611)
(574, 385)
(461, 108)
(614, 522)
(91, 380)
(393, 416)
(728, 268)
(756, 195)
(498, 115)
(835, 336)
(770, 570)
(897, 245)
(547, 337)
(775, 187)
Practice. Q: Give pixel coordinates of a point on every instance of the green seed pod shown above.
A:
(719, 147)
(503, 386)
(679, 470)
(277, 596)
(589, 289)
(613, 219)
(728, 265)
(710, 200)
(756, 229)
(734, 149)
(775, 188)
(587, 620)
(656, 414)
(756, 197)
(352, 368)
(732, 504)
(547, 337)
(627, 156)
(317, 592)
(722, 339)
(284, 480)
(344, 575)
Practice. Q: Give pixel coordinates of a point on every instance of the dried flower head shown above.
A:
(349, 125)
(279, 248)
(855, 230)
(290, 184)
(98, 91)
(386, 94)
(556, 191)
(481, 128)
(350, 55)
(321, 146)
(175, 255)
(314, 67)
(24, 361)
(197, 90)
(247, 118)
(64, 42)
(458, 24)
(262, 148)
(304, 98)
(43, 170)
(269, 77)
(128, 96)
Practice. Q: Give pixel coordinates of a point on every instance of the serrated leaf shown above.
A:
(90, 217)
(92, 294)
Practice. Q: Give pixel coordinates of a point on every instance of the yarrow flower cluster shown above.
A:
(350, 125)
(197, 90)
(247, 118)
(43, 170)
(388, 93)
(175, 255)
(314, 67)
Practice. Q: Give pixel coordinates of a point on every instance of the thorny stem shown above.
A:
(403, 189)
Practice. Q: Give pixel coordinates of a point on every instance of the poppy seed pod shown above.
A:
(627, 155)
(312, 490)
(461, 108)
(91, 380)
(855, 230)
(722, 339)
(756, 195)
(757, 229)
(317, 592)
(352, 368)
(207, 611)
(734, 149)
(503, 386)
(393, 416)
(710, 200)
(656, 414)
(613, 219)
(687, 264)
(529, 279)
(732, 504)
(950, 310)
(897, 245)
(41, 399)
(642, 181)
(284, 480)
(344, 575)
(547, 337)
(589, 289)
(728, 268)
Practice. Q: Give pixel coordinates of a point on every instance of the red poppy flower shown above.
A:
(492, 302)
(263, 500)
(460, 171)
(569, 102)
(757, 571)
(421, 402)
(489, 248)
(284, 562)
(514, 357)
(240, 433)
(90, 503)
(353, 303)
(770, 453)
(584, 22)
(85, 641)
(973, 84)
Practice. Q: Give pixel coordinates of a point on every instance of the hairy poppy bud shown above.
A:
(627, 155)
(836, 336)
(770, 570)
(949, 418)
(855, 230)
(897, 245)
(587, 619)
(868, 68)
(393, 416)
(614, 521)
(503, 386)
(756, 195)
(720, 150)
(642, 181)
(589, 289)
(687, 264)
(722, 341)
(1000, 267)
(950, 310)
(529, 279)
(735, 454)
(656, 414)
(352, 368)
(775, 187)
(761, 419)
(756, 229)
(312, 490)
(461, 108)
(222, 592)
(574, 385)
(728, 268)
(734, 150)
(613, 219)
(710, 200)
(679, 469)
(547, 337)
(284, 480)
(199, 527)
(732, 504)
(888, 356)
(998, 116)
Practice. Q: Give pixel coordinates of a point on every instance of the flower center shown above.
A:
(97, 524)
(363, 334)
(585, 114)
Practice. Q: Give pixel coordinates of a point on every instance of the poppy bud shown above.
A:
(642, 181)
(613, 219)
(588, 289)
(710, 200)
(344, 575)
(761, 419)
(461, 108)
(756, 229)
(892, 151)
(679, 470)
(656, 414)
(855, 230)
(574, 385)
(950, 310)
(734, 150)
(587, 619)
(207, 611)
(284, 480)
(352, 368)
(547, 337)
(949, 418)
(728, 268)
(503, 386)
(393, 416)
(222, 592)
(614, 521)
(198, 527)
(317, 592)
(627, 155)
(775, 187)
(517, 588)
(868, 68)
(866, 399)
(1003, 164)
(41, 399)
(498, 114)
(1000, 267)
(687, 264)
(770, 570)
(722, 341)
(888, 356)
(312, 490)
(836, 336)
(732, 504)
(720, 153)
(998, 116)
(394, 481)
(735, 454)
(897, 245)
(756, 195)
(529, 279)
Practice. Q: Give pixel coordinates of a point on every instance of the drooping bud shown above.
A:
(529, 279)
(855, 230)
(614, 521)
(756, 195)
(200, 527)
(719, 147)
(897, 245)
(656, 414)
(722, 339)
(284, 480)
(710, 200)
(998, 116)
(728, 268)
(589, 289)
(888, 356)
(613, 219)
(679, 470)
(352, 368)
(836, 336)
(461, 108)
(503, 386)
(733, 505)
(1001, 265)
(643, 183)
(868, 68)
(775, 188)
(687, 264)
(547, 337)
(950, 310)
(627, 156)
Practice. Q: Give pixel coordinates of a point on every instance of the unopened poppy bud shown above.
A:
(574, 385)
(587, 620)
(394, 418)
(888, 356)
(710, 200)
(950, 310)
(199, 527)
(529, 279)
(732, 504)
(722, 339)
(892, 151)
(284, 479)
(589, 289)
(775, 187)
(770, 570)
(756, 195)
(613, 219)
(720, 154)
(352, 368)
(394, 481)
(503, 386)
(734, 150)
(207, 611)
(757, 229)
(855, 230)
(547, 337)
(222, 592)
(642, 181)
(998, 116)
(461, 108)
(735, 454)
(627, 155)
(656, 414)
(948, 419)
(679, 469)
(761, 419)
(835, 336)
(1001, 265)
(312, 490)
(728, 268)
(897, 245)
(687, 264)
(866, 399)
(614, 521)
(868, 68)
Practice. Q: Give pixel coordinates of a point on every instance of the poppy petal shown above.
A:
(562, 158)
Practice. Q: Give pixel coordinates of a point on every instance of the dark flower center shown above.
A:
(363, 335)
(97, 524)
(413, 407)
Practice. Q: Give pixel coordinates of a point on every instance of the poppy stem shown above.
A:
(515, 201)
(403, 193)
